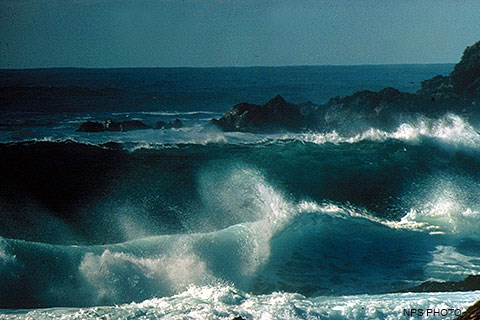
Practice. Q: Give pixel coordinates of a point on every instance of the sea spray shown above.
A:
(227, 302)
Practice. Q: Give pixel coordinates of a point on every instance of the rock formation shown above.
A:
(472, 313)
(275, 115)
(111, 125)
(458, 92)
(125, 125)
(174, 124)
(471, 283)
(465, 77)
(91, 126)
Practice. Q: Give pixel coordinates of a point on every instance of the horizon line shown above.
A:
(229, 67)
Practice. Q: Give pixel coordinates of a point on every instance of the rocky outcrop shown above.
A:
(472, 313)
(91, 126)
(365, 109)
(436, 87)
(125, 125)
(275, 115)
(466, 74)
(458, 92)
(111, 125)
(471, 283)
(174, 124)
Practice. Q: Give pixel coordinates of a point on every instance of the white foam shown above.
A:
(450, 129)
(226, 302)
(445, 212)
(448, 264)
(118, 276)
(345, 211)
(233, 254)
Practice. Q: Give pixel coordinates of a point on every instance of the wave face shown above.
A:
(311, 215)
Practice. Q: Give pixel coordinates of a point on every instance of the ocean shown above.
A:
(195, 223)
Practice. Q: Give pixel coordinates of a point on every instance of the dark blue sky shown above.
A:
(151, 33)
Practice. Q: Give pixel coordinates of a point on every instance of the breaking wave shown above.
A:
(239, 219)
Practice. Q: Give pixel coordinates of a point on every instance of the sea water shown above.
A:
(198, 223)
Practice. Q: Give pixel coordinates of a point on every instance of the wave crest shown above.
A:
(450, 129)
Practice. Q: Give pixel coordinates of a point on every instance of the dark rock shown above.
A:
(437, 85)
(466, 75)
(160, 124)
(174, 124)
(126, 125)
(457, 93)
(134, 125)
(462, 86)
(365, 109)
(91, 126)
(275, 115)
(472, 313)
(370, 101)
(471, 283)
(111, 125)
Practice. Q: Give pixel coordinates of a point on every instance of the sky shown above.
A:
(214, 33)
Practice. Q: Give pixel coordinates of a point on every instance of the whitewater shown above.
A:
(195, 223)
